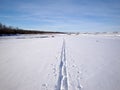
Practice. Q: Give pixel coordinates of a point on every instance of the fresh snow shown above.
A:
(60, 62)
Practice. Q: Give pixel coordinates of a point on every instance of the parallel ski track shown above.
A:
(62, 83)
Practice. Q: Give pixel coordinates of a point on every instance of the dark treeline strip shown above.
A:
(9, 30)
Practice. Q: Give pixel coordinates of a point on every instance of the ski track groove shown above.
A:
(62, 83)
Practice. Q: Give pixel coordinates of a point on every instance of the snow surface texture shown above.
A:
(62, 62)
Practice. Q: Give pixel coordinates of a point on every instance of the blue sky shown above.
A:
(62, 15)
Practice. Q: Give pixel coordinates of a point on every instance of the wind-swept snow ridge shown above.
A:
(62, 78)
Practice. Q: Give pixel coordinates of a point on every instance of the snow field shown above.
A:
(65, 62)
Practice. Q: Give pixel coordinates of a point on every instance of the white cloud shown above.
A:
(67, 15)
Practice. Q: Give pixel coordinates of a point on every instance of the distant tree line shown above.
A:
(4, 27)
(10, 30)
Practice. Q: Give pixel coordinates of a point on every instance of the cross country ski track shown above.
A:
(62, 83)
(62, 78)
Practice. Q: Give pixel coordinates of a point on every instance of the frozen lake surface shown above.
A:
(60, 62)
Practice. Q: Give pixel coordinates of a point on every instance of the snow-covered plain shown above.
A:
(60, 62)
